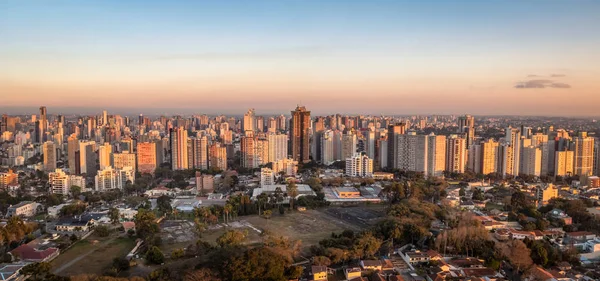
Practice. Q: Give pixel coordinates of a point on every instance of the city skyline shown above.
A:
(383, 57)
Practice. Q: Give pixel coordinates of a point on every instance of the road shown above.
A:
(80, 257)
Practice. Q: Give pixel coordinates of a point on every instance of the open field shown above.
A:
(92, 256)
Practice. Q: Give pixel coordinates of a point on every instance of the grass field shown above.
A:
(93, 255)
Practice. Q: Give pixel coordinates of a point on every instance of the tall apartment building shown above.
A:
(512, 152)
(249, 122)
(110, 178)
(393, 131)
(564, 163)
(105, 155)
(198, 152)
(489, 157)
(456, 154)
(349, 144)
(532, 161)
(436, 155)
(72, 148)
(179, 154)
(300, 135)
(288, 166)
(146, 157)
(87, 158)
(278, 147)
(218, 156)
(359, 166)
(541, 141)
(49, 152)
(59, 182)
(327, 156)
(466, 127)
(411, 152)
(583, 147)
(125, 159)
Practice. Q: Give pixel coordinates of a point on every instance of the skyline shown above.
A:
(383, 57)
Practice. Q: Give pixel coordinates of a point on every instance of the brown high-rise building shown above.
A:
(393, 131)
(300, 134)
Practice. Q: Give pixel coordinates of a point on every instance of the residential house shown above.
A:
(352, 272)
(318, 273)
(579, 236)
(371, 265)
(27, 252)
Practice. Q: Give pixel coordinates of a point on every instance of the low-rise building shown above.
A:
(318, 273)
(24, 209)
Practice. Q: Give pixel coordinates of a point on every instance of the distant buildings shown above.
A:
(359, 166)
(60, 182)
(146, 157)
(110, 178)
(49, 153)
(179, 154)
(218, 156)
(300, 135)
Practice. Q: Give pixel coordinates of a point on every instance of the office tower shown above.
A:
(300, 134)
(267, 177)
(349, 144)
(563, 166)
(110, 178)
(489, 157)
(411, 152)
(392, 151)
(583, 148)
(49, 151)
(278, 147)
(370, 143)
(532, 161)
(146, 157)
(105, 155)
(43, 124)
(125, 159)
(456, 154)
(541, 141)
(218, 156)
(512, 152)
(87, 158)
(327, 150)
(436, 155)
(248, 123)
(466, 127)
(359, 166)
(289, 167)
(72, 148)
(179, 153)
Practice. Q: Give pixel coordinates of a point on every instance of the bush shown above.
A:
(155, 256)
(121, 264)
(177, 253)
(102, 231)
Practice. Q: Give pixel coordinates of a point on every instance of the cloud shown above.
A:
(540, 84)
(532, 75)
(558, 75)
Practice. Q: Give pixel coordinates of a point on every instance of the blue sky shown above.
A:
(366, 56)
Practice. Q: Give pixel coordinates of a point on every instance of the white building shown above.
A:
(59, 182)
(267, 177)
(359, 166)
(278, 147)
(110, 178)
(288, 166)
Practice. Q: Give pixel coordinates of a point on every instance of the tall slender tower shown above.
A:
(393, 132)
(466, 126)
(43, 125)
(300, 134)
(584, 155)
(179, 153)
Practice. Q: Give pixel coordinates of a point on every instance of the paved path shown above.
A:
(80, 257)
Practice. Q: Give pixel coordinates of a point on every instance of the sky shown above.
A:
(368, 57)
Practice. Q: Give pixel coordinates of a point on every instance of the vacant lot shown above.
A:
(357, 216)
(92, 256)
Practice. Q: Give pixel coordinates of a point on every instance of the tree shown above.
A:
(155, 256)
(37, 270)
(163, 203)
(256, 264)
(267, 214)
(232, 238)
(226, 211)
(366, 245)
(145, 224)
(321, 261)
(517, 253)
(75, 191)
(102, 230)
(113, 214)
(292, 191)
(202, 274)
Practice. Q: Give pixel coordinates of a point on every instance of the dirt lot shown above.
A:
(358, 216)
(91, 256)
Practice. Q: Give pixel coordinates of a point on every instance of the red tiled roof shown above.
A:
(26, 252)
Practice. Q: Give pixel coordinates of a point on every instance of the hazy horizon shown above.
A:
(526, 58)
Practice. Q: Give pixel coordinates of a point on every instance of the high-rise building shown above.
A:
(349, 144)
(105, 155)
(179, 153)
(146, 157)
(125, 159)
(288, 166)
(392, 151)
(546, 192)
(61, 183)
(110, 178)
(248, 152)
(43, 124)
(512, 152)
(370, 142)
(87, 158)
(411, 152)
(218, 156)
(278, 147)
(72, 148)
(541, 141)
(359, 166)
(532, 161)
(249, 123)
(466, 126)
(49, 151)
(489, 157)
(436, 155)
(456, 154)
(563, 166)
(300, 134)
(7, 179)
(583, 147)
(327, 156)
